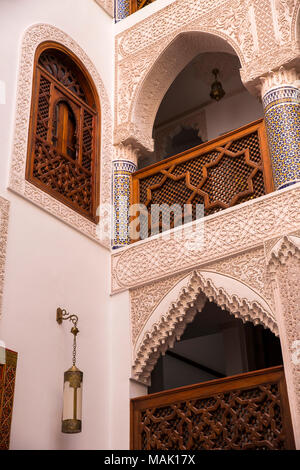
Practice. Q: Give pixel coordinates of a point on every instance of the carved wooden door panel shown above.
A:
(244, 412)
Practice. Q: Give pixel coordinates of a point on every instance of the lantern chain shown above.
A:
(61, 315)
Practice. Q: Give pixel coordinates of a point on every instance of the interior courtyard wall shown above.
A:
(49, 263)
(57, 255)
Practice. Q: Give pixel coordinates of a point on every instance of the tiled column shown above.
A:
(122, 9)
(281, 101)
(124, 164)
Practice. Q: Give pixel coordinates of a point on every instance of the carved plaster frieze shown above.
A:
(159, 335)
(4, 211)
(261, 32)
(230, 17)
(248, 268)
(213, 238)
(144, 300)
(33, 36)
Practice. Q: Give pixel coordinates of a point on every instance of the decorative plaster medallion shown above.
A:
(33, 36)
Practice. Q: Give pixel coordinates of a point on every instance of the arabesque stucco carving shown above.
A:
(261, 32)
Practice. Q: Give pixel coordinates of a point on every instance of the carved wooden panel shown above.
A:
(62, 152)
(219, 174)
(245, 412)
(136, 5)
(7, 386)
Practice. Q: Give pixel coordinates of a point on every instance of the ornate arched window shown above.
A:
(63, 148)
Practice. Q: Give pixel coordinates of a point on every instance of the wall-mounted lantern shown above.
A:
(72, 406)
(217, 91)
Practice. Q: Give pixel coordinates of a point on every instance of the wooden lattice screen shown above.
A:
(244, 412)
(136, 5)
(218, 174)
(62, 153)
(7, 386)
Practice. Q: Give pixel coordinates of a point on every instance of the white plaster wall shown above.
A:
(232, 113)
(49, 264)
(120, 366)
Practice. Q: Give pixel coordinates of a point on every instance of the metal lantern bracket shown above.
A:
(62, 314)
(71, 421)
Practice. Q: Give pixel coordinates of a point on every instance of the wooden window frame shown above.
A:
(92, 105)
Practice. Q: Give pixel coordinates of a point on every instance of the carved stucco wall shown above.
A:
(248, 268)
(33, 36)
(284, 271)
(263, 33)
(229, 233)
(166, 322)
(166, 279)
(161, 312)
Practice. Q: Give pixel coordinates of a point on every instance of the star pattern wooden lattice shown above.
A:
(217, 174)
(245, 412)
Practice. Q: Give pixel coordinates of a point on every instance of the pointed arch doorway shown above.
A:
(221, 387)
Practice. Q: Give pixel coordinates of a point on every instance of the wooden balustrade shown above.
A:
(7, 387)
(136, 5)
(244, 412)
(218, 174)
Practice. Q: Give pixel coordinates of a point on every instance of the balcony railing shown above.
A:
(124, 8)
(244, 412)
(215, 175)
(136, 5)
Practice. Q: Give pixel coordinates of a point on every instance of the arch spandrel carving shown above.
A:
(166, 325)
(162, 69)
(262, 35)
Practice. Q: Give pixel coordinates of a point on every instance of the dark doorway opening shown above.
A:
(213, 346)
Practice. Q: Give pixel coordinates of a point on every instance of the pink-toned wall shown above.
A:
(49, 264)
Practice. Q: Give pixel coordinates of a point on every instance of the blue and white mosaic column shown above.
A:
(281, 101)
(122, 9)
(122, 170)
